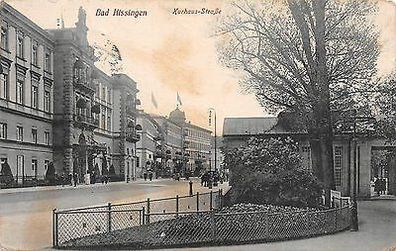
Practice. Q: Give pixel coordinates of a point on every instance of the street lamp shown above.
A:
(212, 110)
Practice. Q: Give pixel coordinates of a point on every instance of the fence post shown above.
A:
(197, 201)
(213, 225)
(109, 216)
(220, 201)
(148, 211)
(143, 216)
(266, 221)
(54, 228)
(177, 205)
(210, 202)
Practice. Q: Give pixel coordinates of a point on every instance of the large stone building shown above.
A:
(26, 95)
(237, 131)
(196, 142)
(56, 106)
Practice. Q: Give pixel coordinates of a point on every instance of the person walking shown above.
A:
(75, 177)
(150, 174)
(145, 175)
(377, 186)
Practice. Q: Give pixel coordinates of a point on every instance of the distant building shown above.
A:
(196, 142)
(150, 142)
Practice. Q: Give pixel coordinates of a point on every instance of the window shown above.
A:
(19, 133)
(108, 122)
(46, 163)
(47, 61)
(337, 165)
(34, 53)
(34, 165)
(47, 138)
(103, 121)
(20, 166)
(34, 135)
(4, 86)
(47, 101)
(20, 45)
(3, 131)
(104, 93)
(4, 36)
(19, 91)
(34, 96)
(109, 95)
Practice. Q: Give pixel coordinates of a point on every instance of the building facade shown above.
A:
(149, 144)
(196, 143)
(237, 131)
(26, 95)
(56, 106)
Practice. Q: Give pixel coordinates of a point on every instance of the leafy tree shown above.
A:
(269, 171)
(6, 174)
(108, 54)
(50, 174)
(304, 57)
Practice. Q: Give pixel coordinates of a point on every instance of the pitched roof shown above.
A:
(249, 125)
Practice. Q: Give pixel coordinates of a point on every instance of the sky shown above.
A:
(166, 53)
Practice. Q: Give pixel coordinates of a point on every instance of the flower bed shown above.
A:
(242, 223)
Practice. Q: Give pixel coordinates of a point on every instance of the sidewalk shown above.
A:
(80, 186)
(139, 181)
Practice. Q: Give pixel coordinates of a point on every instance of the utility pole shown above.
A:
(215, 135)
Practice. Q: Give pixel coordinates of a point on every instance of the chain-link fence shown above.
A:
(72, 227)
(178, 229)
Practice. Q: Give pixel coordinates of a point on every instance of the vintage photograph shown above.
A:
(198, 125)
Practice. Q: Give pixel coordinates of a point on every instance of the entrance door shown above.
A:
(20, 169)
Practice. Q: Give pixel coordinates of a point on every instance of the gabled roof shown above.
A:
(248, 125)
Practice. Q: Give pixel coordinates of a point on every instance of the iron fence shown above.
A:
(72, 227)
(178, 229)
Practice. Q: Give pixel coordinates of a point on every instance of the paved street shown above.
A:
(25, 217)
(377, 233)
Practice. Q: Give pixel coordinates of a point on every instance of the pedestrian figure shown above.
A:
(62, 179)
(377, 186)
(75, 176)
(191, 188)
(383, 186)
(70, 179)
(145, 175)
(150, 175)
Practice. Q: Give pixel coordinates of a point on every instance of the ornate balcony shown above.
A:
(132, 137)
(84, 86)
(84, 121)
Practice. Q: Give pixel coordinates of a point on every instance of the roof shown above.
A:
(250, 126)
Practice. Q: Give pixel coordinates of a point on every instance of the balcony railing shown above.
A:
(84, 86)
(132, 137)
(86, 121)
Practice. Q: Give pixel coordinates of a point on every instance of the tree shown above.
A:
(6, 174)
(269, 171)
(304, 57)
(108, 54)
(50, 174)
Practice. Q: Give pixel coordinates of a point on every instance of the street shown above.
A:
(26, 217)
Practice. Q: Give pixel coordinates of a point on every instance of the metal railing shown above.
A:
(73, 226)
(178, 229)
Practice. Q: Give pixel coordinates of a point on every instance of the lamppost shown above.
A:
(212, 110)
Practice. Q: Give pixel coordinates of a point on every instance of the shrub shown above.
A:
(269, 171)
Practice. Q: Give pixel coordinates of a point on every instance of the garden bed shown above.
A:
(242, 223)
